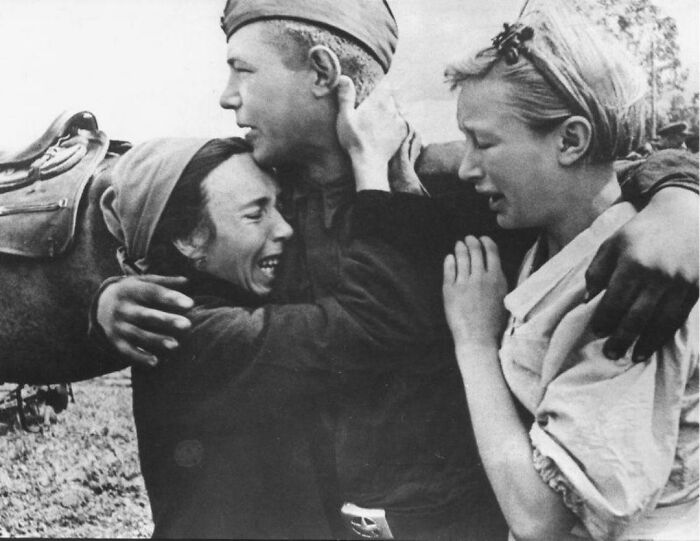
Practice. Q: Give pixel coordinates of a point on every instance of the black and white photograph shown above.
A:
(359, 269)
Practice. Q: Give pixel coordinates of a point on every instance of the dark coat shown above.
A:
(216, 462)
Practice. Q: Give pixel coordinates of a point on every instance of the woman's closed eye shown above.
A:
(482, 144)
(256, 214)
(478, 142)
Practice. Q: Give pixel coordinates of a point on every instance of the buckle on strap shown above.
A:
(367, 523)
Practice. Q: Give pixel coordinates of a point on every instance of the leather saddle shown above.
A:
(41, 186)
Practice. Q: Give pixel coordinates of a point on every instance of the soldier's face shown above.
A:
(272, 100)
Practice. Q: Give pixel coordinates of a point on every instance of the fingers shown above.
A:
(347, 95)
(151, 293)
(381, 103)
(476, 255)
(601, 268)
(154, 320)
(632, 321)
(463, 262)
(410, 146)
(150, 342)
(471, 258)
(135, 355)
(616, 302)
(415, 144)
(167, 281)
(406, 144)
(449, 271)
(402, 174)
(382, 91)
(669, 315)
(492, 257)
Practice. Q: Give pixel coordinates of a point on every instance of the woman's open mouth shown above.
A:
(494, 200)
(268, 265)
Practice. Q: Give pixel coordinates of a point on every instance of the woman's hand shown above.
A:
(371, 133)
(402, 167)
(473, 291)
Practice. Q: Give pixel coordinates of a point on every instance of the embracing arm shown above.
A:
(382, 307)
(650, 266)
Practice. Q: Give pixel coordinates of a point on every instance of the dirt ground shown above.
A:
(80, 476)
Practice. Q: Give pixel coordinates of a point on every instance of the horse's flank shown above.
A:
(46, 303)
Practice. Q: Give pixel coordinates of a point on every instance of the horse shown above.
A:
(55, 251)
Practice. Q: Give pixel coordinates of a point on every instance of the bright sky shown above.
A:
(149, 68)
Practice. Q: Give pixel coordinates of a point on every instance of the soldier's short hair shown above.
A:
(295, 38)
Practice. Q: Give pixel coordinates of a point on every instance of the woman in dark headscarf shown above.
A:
(216, 461)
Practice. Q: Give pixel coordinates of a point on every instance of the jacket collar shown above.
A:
(335, 194)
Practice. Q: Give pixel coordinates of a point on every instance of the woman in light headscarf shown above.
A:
(574, 445)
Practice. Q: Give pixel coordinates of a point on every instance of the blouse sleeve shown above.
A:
(606, 433)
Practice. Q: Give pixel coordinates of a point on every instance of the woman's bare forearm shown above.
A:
(531, 508)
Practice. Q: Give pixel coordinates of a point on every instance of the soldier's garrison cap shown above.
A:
(369, 22)
(676, 128)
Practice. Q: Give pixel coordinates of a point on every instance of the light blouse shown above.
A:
(617, 439)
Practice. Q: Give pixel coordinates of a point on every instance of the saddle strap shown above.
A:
(6, 210)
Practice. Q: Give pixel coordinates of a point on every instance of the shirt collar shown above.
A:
(335, 194)
(534, 286)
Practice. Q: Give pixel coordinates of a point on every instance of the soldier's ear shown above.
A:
(326, 67)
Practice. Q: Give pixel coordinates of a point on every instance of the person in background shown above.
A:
(673, 135)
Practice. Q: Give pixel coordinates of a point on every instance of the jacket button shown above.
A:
(189, 453)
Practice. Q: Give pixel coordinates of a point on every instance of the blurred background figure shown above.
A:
(673, 135)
